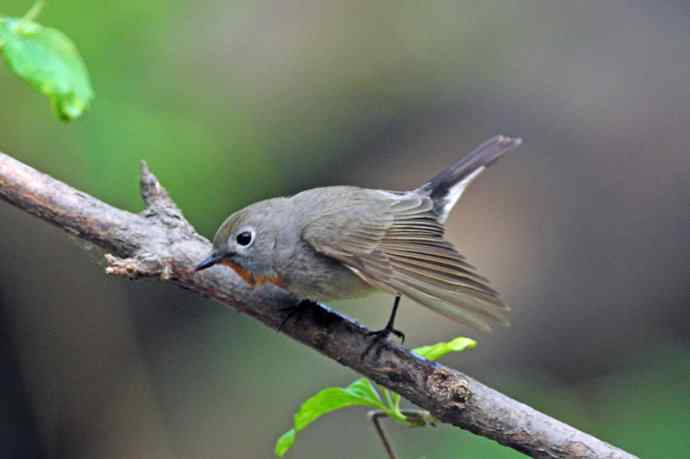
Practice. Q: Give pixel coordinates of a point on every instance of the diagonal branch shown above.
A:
(159, 242)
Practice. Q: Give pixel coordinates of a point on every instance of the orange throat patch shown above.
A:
(253, 280)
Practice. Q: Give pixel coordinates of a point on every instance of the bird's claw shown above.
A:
(380, 335)
(386, 332)
(292, 311)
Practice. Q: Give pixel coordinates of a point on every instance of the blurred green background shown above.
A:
(585, 230)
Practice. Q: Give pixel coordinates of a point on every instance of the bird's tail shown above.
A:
(446, 188)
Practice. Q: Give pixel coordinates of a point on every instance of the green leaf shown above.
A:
(364, 389)
(392, 400)
(285, 442)
(360, 393)
(48, 61)
(438, 350)
(363, 393)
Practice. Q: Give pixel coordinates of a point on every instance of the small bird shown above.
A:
(343, 242)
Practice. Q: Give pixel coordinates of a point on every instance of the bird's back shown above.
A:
(394, 242)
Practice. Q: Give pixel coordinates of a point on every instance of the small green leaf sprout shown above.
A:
(362, 392)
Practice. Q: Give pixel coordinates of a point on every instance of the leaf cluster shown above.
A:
(363, 393)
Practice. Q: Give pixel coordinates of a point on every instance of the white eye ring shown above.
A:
(245, 237)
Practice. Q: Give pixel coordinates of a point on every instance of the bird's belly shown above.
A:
(322, 278)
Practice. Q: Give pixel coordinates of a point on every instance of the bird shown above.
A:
(340, 242)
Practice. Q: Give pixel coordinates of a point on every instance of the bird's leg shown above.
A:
(293, 311)
(390, 328)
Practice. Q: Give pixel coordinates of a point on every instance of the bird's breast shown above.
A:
(314, 276)
(254, 280)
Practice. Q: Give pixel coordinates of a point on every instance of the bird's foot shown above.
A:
(294, 311)
(381, 335)
(386, 332)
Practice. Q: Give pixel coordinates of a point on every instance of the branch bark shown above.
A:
(160, 243)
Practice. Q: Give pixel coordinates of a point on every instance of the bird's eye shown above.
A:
(245, 238)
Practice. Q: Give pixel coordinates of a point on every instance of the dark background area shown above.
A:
(585, 230)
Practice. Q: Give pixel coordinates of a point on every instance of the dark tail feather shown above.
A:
(446, 188)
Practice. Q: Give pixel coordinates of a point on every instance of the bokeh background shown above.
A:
(585, 229)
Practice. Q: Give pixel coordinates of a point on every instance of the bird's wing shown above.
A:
(395, 242)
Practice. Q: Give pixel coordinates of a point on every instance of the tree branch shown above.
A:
(159, 242)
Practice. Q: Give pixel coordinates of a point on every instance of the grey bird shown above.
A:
(343, 242)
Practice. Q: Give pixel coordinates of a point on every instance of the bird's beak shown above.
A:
(208, 262)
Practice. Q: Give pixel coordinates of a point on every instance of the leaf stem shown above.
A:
(375, 417)
(34, 11)
(416, 418)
